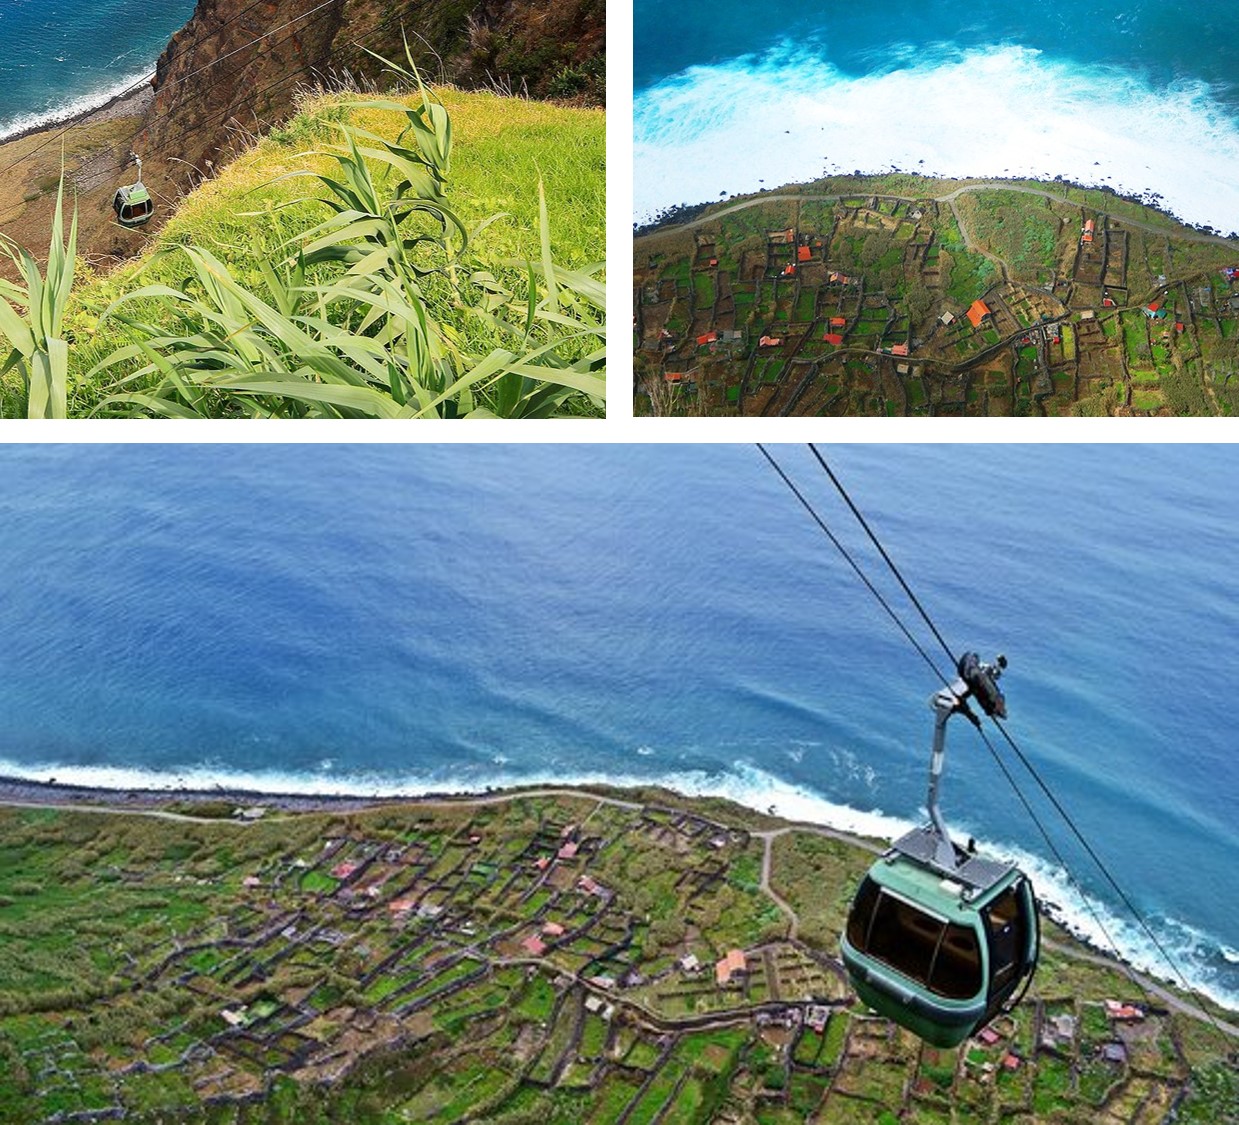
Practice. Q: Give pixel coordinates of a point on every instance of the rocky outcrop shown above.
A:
(237, 66)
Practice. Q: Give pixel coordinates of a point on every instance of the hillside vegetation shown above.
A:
(373, 257)
(537, 957)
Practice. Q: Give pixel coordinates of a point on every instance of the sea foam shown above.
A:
(72, 108)
(788, 115)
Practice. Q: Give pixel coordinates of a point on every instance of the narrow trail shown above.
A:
(1003, 271)
(793, 929)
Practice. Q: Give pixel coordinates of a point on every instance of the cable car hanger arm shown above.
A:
(978, 681)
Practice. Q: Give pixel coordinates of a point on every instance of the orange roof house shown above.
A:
(977, 312)
(770, 341)
(707, 338)
(803, 253)
(838, 321)
(789, 270)
(899, 349)
(833, 338)
(1087, 236)
(726, 970)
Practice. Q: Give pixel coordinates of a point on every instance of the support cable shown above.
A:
(1144, 926)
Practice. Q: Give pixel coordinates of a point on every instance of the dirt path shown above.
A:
(1003, 271)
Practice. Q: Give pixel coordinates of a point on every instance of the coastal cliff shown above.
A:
(237, 66)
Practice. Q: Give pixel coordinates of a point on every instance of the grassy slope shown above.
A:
(501, 147)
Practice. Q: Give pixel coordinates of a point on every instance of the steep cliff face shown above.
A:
(238, 64)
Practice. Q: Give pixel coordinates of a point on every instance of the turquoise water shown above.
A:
(414, 618)
(61, 56)
(1141, 97)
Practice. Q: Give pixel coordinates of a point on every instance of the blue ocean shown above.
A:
(60, 57)
(1141, 96)
(406, 619)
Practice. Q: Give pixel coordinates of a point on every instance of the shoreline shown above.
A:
(676, 215)
(132, 101)
(19, 793)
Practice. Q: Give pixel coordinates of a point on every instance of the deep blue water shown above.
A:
(429, 617)
(1139, 96)
(59, 56)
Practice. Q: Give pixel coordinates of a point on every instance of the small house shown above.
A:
(730, 968)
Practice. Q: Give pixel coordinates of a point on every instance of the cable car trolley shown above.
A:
(940, 939)
(133, 204)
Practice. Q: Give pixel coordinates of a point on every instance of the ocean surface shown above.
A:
(60, 57)
(428, 618)
(1140, 96)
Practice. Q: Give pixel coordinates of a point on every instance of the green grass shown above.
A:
(503, 148)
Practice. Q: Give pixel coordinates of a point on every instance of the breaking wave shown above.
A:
(788, 115)
(74, 107)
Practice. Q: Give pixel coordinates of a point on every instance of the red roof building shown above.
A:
(789, 269)
(1087, 236)
(838, 321)
(833, 338)
(674, 376)
(708, 338)
(731, 966)
(803, 253)
(977, 312)
(899, 349)
(770, 341)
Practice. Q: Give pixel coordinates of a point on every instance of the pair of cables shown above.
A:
(1023, 759)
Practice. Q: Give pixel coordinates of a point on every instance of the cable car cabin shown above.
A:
(940, 954)
(133, 205)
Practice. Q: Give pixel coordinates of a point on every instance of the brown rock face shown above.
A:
(236, 67)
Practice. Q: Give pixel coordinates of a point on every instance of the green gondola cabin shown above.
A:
(133, 205)
(938, 954)
(939, 939)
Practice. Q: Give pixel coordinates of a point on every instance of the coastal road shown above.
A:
(1186, 234)
(767, 836)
